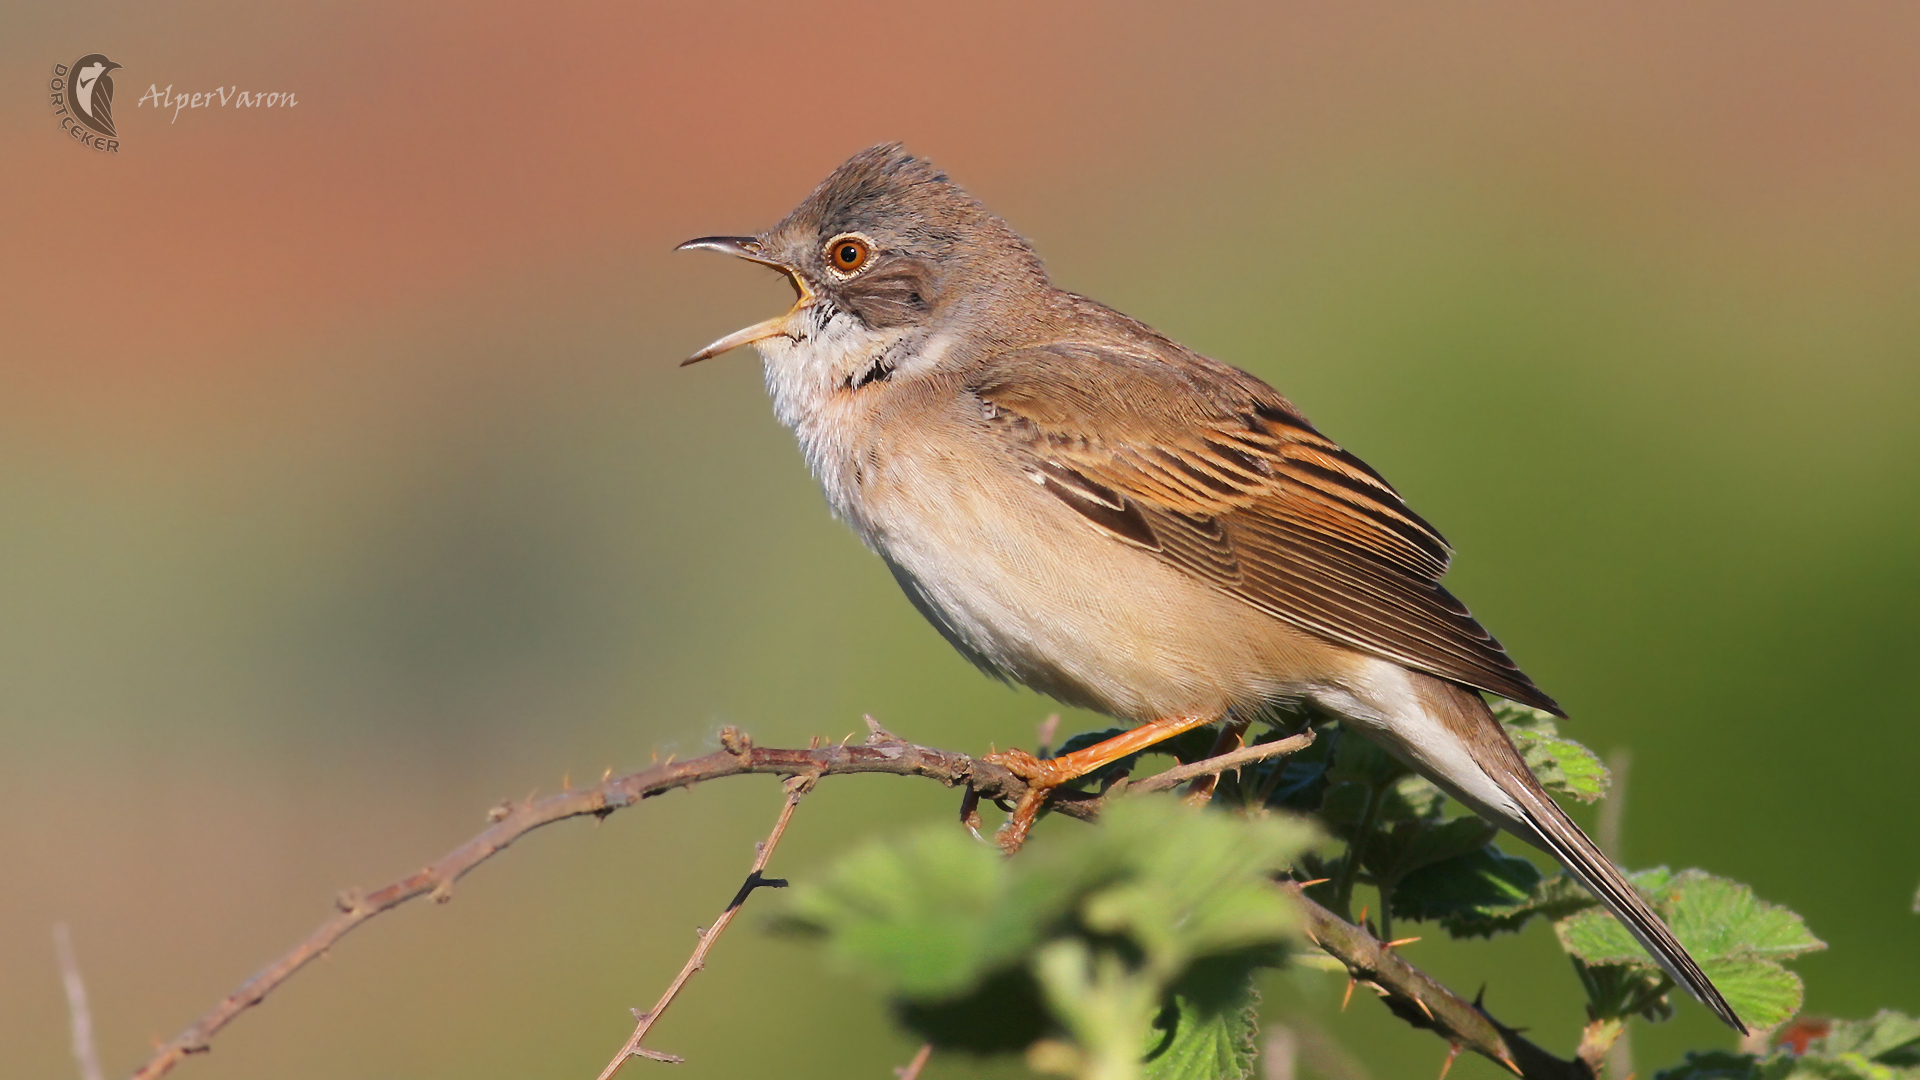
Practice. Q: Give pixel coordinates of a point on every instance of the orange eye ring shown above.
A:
(848, 254)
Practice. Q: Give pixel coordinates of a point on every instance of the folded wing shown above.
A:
(1216, 473)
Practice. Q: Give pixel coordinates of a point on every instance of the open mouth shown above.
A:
(787, 325)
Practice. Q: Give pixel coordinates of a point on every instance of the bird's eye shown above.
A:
(848, 253)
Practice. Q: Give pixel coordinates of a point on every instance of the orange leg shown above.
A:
(1042, 776)
(1200, 792)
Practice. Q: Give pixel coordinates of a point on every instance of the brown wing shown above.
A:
(1213, 471)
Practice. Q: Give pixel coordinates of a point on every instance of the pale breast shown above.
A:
(1033, 593)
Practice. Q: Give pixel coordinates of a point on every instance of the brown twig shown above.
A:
(797, 788)
(78, 1014)
(881, 753)
(911, 1070)
(1231, 738)
(1417, 998)
(1214, 766)
(1411, 994)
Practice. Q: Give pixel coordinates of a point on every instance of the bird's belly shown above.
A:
(1030, 593)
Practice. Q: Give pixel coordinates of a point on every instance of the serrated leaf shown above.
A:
(1477, 892)
(1207, 1030)
(1393, 853)
(1562, 765)
(1884, 1047)
(1193, 883)
(1361, 761)
(1086, 933)
(928, 915)
(1765, 994)
(1596, 937)
(1738, 939)
(1887, 1037)
(1722, 918)
(1554, 897)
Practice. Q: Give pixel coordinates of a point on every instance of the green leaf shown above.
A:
(1361, 761)
(1738, 939)
(929, 915)
(1481, 908)
(1718, 917)
(1208, 1027)
(1888, 1038)
(1179, 884)
(1596, 937)
(1885, 1047)
(1765, 994)
(1561, 765)
(1090, 933)
(1105, 1005)
(1393, 853)
(1472, 894)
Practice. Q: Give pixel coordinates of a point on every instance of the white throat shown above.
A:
(826, 378)
(826, 352)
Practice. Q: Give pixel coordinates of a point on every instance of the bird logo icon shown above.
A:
(92, 92)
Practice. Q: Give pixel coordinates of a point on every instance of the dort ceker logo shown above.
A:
(82, 98)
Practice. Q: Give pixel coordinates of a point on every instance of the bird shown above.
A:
(93, 92)
(1080, 504)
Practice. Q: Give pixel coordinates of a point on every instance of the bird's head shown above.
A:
(885, 247)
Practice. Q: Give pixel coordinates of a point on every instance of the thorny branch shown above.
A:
(1420, 1000)
(797, 788)
(1411, 994)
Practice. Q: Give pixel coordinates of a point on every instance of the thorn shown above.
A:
(813, 743)
(566, 781)
(845, 741)
(499, 813)
(1480, 997)
(1453, 1051)
(1315, 881)
(670, 758)
(606, 776)
(1401, 941)
(1424, 1009)
(640, 1016)
(1348, 996)
(653, 757)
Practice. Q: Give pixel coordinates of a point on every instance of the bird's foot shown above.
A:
(1042, 775)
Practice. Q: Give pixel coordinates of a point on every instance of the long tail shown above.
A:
(1531, 814)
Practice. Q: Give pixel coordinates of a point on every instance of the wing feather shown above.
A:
(1214, 472)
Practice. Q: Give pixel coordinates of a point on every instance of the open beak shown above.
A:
(746, 247)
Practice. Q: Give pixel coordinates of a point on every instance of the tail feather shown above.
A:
(1560, 837)
(1480, 765)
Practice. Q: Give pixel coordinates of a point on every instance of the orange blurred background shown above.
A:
(347, 483)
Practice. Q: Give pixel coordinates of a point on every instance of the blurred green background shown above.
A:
(348, 484)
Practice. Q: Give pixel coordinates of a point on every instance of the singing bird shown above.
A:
(1083, 505)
